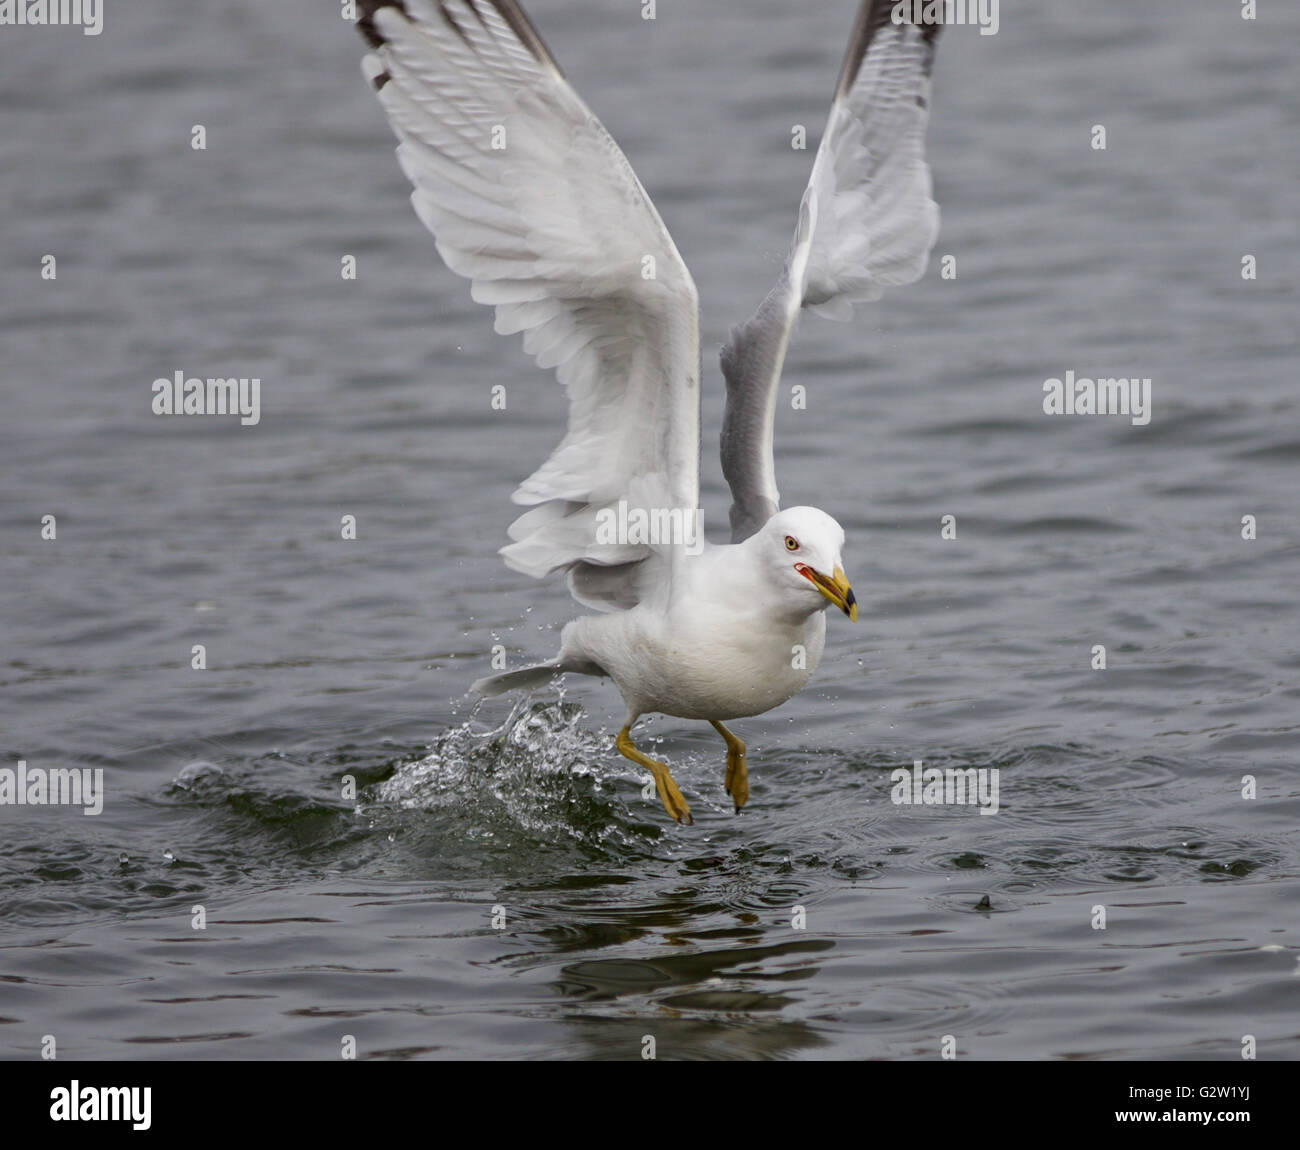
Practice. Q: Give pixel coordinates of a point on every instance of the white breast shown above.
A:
(718, 665)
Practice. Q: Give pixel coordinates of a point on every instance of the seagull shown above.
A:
(529, 197)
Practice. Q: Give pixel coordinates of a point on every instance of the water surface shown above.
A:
(499, 887)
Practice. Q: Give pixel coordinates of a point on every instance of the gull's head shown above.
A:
(803, 546)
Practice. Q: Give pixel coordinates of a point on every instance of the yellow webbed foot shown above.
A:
(737, 778)
(669, 793)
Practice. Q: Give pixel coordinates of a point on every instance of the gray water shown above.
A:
(374, 916)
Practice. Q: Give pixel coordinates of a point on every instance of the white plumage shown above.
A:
(530, 199)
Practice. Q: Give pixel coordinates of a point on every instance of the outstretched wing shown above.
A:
(866, 222)
(529, 197)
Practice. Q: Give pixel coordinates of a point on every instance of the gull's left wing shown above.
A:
(529, 197)
(866, 222)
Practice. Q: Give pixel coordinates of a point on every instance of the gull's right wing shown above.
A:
(529, 198)
(866, 222)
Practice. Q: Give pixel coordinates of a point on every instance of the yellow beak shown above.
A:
(836, 588)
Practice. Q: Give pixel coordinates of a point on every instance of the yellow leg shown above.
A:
(737, 780)
(672, 799)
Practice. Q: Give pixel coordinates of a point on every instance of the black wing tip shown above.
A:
(366, 22)
(369, 9)
(508, 10)
(877, 14)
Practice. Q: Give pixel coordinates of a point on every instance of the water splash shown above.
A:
(541, 771)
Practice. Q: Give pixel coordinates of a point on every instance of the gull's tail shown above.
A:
(532, 677)
(526, 679)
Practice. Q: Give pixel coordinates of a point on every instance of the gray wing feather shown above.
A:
(529, 197)
(866, 222)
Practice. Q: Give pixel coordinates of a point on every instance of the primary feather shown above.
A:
(866, 222)
(529, 198)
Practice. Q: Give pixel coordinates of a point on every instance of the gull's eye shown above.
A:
(791, 543)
